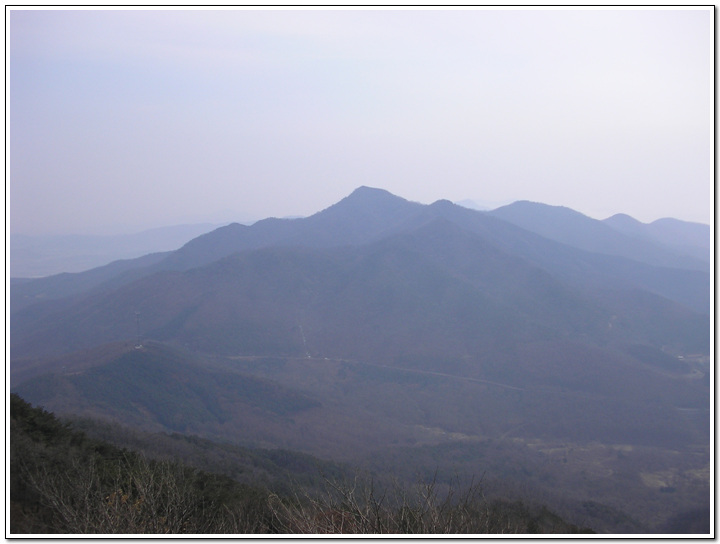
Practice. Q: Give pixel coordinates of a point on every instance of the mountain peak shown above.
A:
(622, 218)
(367, 189)
(371, 194)
(369, 200)
(442, 203)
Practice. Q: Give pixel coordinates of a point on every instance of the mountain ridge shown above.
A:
(573, 228)
(381, 328)
(302, 274)
(365, 215)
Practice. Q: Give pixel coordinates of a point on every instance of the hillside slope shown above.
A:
(611, 237)
(63, 482)
(447, 287)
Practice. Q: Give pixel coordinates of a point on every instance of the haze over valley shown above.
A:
(530, 344)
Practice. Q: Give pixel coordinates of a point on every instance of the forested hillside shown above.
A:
(63, 482)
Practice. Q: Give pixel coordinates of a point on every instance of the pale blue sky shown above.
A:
(141, 118)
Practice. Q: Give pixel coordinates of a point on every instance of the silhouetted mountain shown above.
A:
(438, 281)
(577, 230)
(628, 225)
(514, 275)
(684, 237)
(680, 233)
(583, 269)
(370, 214)
(358, 218)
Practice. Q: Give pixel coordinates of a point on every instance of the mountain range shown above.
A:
(385, 243)
(381, 323)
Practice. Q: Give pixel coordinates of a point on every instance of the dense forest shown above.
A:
(64, 482)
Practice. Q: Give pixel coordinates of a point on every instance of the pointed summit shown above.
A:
(442, 204)
(369, 202)
(362, 215)
(371, 196)
(627, 225)
(365, 190)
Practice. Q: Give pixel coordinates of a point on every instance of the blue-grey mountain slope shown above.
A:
(446, 240)
(575, 229)
(686, 238)
(368, 215)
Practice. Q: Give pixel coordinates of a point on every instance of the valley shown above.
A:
(411, 342)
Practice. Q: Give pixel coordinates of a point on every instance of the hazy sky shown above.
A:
(149, 117)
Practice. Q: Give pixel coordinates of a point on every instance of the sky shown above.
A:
(124, 119)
